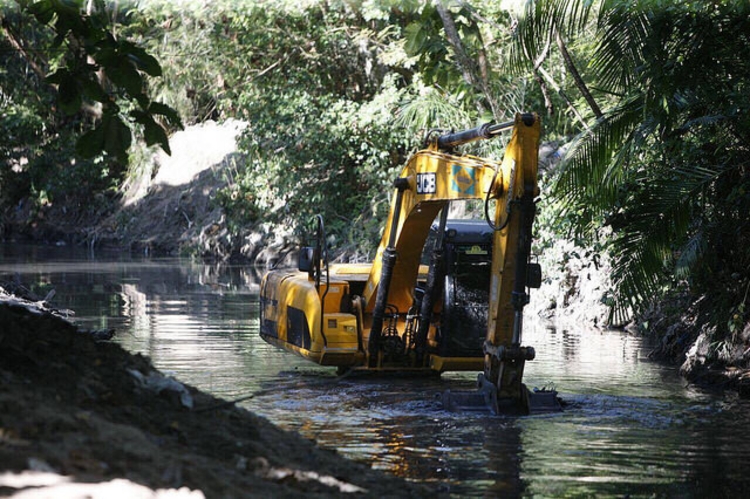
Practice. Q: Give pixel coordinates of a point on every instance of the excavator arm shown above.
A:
(432, 179)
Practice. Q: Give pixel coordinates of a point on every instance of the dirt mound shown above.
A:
(75, 412)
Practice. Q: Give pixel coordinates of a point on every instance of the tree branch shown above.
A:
(464, 62)
(577, 77)
(471, 73)
(543, 84)
(15, 42)
(540, 70)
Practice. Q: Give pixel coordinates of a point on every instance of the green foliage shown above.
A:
(100, 68)
(335, 94)
(425, 41)
(34, 139)
(319, 98)
(200, 59)
(666, 168)
(475, 79)
(325, 155)
(75, 92)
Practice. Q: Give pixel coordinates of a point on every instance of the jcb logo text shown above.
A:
(426, 183)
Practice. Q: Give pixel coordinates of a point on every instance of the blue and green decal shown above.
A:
(463, 180)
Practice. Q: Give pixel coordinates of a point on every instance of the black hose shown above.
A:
(487, 208)
(321, 252)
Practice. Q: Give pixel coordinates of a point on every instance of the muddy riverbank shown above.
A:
(167, 206)
(81, 417)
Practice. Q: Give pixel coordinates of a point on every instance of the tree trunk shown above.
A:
(543, 84)
(469, 69)
(577, 77)
(15, 42)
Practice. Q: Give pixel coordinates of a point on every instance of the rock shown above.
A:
(158, 384)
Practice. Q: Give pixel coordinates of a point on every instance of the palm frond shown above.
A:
(433, 109)
(634, 284)
(653, 215)
(538, 24)
(639, 261)
(595, 164)
(623, 30)
(659, 217)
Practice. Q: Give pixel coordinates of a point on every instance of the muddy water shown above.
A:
(631, 427)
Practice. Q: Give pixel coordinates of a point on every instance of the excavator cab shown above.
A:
(464, 287)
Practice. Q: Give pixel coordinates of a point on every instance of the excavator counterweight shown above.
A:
(441, 294)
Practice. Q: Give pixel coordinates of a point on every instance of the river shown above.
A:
(631, 428)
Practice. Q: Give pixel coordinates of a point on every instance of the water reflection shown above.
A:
(630, 428)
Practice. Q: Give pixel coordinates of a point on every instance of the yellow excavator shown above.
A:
(441, 294)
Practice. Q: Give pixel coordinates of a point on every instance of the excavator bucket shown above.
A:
(483, 400)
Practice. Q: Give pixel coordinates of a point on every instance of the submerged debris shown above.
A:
(13, 294)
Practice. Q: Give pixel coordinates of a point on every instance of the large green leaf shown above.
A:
(123, 73)
(140, 58)
(91, 143)
(117, 136)
(152, 131)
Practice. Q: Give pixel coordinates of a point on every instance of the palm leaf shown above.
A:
(538, 24)
(644, 245)
(433, 109)
(623, 30)
(596, 162)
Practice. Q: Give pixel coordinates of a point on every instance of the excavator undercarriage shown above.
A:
(441, 295)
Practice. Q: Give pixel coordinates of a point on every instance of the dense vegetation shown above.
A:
(662, 172)
(69, 85)
(650, 96)
(663, 166)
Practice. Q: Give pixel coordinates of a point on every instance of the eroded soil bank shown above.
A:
(81, 417)
(168, 206)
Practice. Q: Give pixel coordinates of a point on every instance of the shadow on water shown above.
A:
(630, 428)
